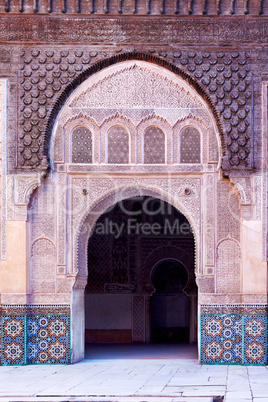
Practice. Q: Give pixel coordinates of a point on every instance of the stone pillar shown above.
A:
(193, 319)
(78, 324)
(148, 329)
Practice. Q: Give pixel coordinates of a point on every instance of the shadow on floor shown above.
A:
(141, 351)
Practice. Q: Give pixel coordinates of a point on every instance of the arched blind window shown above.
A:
(190, 148)
(118, 145)
(154, 145)
(81, 145)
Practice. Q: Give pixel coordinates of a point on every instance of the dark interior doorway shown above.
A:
(125, 300)
(170, 306)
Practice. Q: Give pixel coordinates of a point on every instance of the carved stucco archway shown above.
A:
(109, 199)
(167, 182)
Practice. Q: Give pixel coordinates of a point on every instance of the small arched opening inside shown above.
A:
(170, 305)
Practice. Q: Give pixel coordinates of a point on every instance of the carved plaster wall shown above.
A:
(69, 202)
(103, 193)
(65, 216)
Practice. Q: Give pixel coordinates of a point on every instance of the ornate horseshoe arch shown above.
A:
(108, 199)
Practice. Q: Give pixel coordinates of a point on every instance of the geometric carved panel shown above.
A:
(212, 69)
(154, 145)
(189, 146)
(43, 266)
(81, 145)
(228, 267)
(118, 145)
(228, 212)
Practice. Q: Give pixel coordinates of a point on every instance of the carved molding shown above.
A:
(82, 29)
(245, 188)
(185, 8)
(3, 166)
(24, 186)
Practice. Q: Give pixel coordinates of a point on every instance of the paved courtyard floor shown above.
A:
(134, 373)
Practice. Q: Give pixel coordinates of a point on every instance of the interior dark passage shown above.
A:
(170, 306)
(141, 285)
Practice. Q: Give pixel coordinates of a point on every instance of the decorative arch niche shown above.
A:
(96, 69)
(143, 96)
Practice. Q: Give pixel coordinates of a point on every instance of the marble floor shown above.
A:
(135, 373)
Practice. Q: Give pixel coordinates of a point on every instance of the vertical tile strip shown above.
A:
(243, 339)
(1, 341)
(25, 339)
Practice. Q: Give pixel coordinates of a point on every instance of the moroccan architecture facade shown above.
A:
(106, 103)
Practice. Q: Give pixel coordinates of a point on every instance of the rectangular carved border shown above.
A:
(187, 29)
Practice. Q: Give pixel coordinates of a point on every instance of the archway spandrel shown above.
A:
(215, 70)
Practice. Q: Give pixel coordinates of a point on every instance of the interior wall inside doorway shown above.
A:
(108, 318)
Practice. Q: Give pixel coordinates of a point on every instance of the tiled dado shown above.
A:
(234, 338)
(34, 338)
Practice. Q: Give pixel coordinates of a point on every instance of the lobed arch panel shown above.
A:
(154, 145)
(61, 146)
(130, 128)
(170, 151)
(189, 148)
